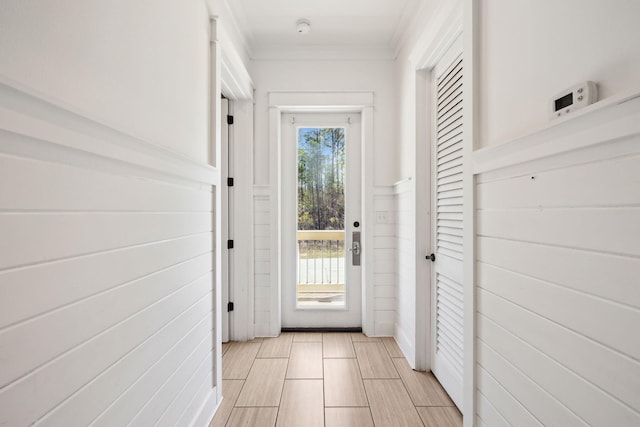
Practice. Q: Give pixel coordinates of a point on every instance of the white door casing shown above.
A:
(447, 224)
(226, 162)
(351, 314)
(237, 262)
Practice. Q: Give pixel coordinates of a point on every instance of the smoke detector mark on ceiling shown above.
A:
(303, 26)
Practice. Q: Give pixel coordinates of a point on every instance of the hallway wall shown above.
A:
(106, 200)
(557, 275)
(414, 276)
(140, 67)
(538, 358)
(405, 235)
(557, 216)
(317, 76)
(524, 64)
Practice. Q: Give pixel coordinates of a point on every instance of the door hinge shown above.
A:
(229, 306)
(230, 182)
(229, 120)
(229, 244)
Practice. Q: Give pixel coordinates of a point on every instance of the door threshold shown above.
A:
(355, 329)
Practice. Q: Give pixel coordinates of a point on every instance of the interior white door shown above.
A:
(321, 286)
(227, 220)
(447, 200)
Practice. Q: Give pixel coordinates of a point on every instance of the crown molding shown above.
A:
(322, 53)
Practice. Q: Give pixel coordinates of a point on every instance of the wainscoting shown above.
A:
(558, 301)
(385, 259)
(404, 213)
(107, 273)
(262, 261)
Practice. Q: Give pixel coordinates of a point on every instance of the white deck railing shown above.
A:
(321, 258)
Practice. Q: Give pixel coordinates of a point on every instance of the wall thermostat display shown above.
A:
(573, 99)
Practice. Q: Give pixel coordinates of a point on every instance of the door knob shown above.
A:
(432, 257)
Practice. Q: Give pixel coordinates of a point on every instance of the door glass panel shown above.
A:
(321, 234)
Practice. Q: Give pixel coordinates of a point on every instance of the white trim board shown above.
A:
(27, 116)
(432, 44)
(471, 54)
(613, 119)
(235, 79)
(262, 190)
(318, 101)
(342, 101)
(383, 191)
(322, 53)
(207, 410)
(436, 39)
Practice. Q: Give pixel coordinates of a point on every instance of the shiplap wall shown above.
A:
(106, 274)
(558, 268)
(262, 261)
(384, 275)
(405, 327)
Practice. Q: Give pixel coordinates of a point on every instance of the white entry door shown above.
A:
(447, 227)
(321, 220)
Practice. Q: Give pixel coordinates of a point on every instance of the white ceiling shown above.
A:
(374, 26)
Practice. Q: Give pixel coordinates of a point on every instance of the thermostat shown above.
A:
(573, 99)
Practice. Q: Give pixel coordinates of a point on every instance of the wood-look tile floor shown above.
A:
(328, 380)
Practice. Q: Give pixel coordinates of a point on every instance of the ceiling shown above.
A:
(373, 27)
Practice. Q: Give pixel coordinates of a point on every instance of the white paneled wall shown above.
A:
(106, 274)
(385, 273)
(405, 328)
(262, 260)
(558, 262)
(385, 257)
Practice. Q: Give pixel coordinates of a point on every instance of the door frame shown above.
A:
(349, 315)
(299, 102)
(226, 269)
(452, 20)
(239, 274)
(433, 45)
(452, 54)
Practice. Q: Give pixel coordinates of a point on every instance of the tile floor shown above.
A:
(331, 379)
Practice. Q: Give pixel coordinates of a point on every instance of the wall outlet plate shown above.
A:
(382, 217)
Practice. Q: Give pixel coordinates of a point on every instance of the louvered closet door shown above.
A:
(448, 201)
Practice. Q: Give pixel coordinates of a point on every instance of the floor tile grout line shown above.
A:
(339, 357)
(324, 390)
(284, 381)
(410, 398)
(406, 388)
(363, 387)
(404, 385)
(435, 406)
(233, 406)
(402, 380)
(399, 377)
(392, 364)
(244, 382)
(324, 399)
